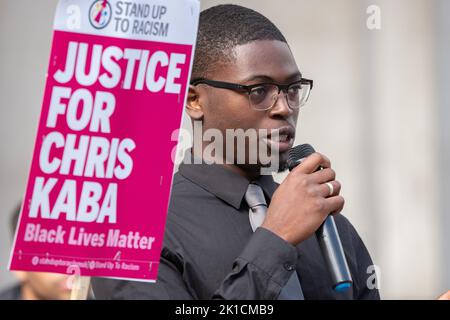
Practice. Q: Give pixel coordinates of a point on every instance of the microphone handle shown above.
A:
(333, 253)
(331, 247)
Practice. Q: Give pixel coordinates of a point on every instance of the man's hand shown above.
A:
(302, 202)
(445, 296)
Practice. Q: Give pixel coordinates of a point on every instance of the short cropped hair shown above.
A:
(223, 27)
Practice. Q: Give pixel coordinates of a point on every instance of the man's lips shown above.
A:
(281, 139)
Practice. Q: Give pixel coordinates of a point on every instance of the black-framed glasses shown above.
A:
(263, 96)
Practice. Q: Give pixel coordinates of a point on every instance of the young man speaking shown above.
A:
(231, 232)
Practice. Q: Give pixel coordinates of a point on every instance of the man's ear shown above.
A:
(193, 105)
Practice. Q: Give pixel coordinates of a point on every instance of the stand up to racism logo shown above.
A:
(100, 14)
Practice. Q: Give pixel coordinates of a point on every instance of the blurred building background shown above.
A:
(380, 109)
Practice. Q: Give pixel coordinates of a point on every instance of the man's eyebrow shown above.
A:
(266, 78)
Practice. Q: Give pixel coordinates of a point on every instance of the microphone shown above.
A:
(327, 234)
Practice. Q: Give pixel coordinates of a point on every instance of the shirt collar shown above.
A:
(224, 183)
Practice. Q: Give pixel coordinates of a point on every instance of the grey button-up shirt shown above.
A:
(210, 251)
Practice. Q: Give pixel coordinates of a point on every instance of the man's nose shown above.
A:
(280, 107)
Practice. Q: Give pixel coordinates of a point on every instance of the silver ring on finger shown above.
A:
(331, 188)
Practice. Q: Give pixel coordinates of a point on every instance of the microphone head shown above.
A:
(297, 153)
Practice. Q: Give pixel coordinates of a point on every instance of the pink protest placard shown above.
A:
(100, 178)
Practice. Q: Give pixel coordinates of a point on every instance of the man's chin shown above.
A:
(282, 167)
(278, 166)
(282, 161)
